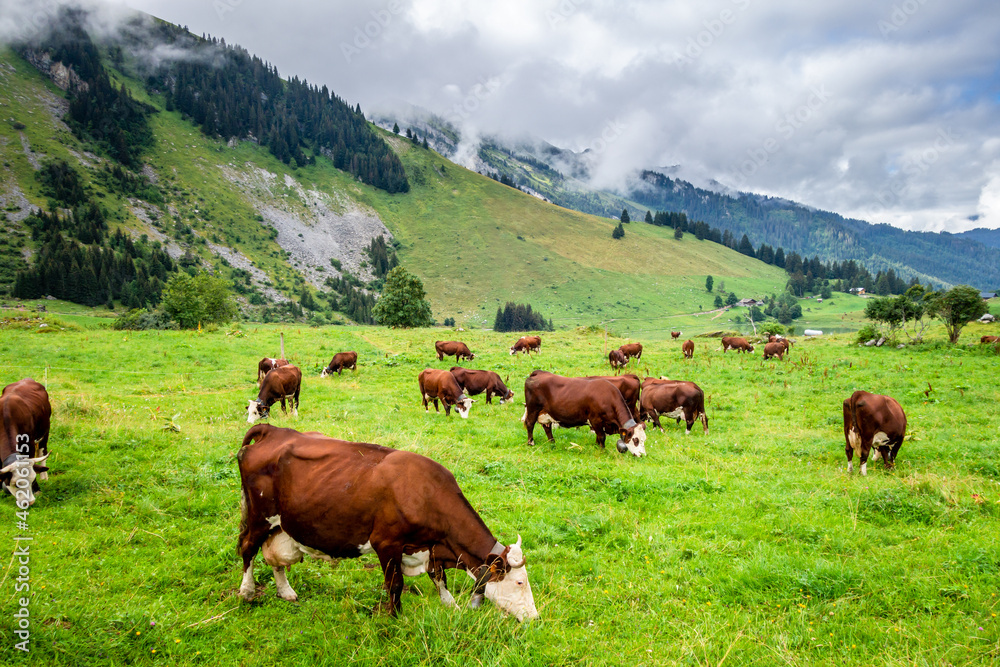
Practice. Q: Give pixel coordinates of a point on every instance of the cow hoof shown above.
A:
(531, 443)
(289, 596)
(248, 594)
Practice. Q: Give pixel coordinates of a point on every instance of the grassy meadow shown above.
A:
(750, 546)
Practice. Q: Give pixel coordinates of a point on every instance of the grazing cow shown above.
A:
(474, 383)
(268, 364)
(527, 344)
(673, 398)
(873, 420)
(446, 348)
(675, 334)
(988, 339)
(284, 382)
(617, 360)
(628, 385)
(554, 400)
(688, 349)
(776, 349)
(25, 413)
(631, 350)
(437, 384)
(305, 493)
(736, 343)
(340, 361)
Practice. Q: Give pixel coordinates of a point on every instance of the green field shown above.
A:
(749, 546)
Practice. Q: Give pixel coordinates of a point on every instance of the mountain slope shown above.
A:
(278, 230)
(561, 176)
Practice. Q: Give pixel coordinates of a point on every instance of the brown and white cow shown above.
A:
(673, 398)
(268, 364)
(25, 414)
(305, 493)
(340, 361)
(736, 343)
(447, 348)
(628, 384)
(617, 360)
(631, 350)
(527, 344)
(554, 400)
(675, 334)
(441, 385)
(475, 382)
(688, 349)
(873, 420)
(776, 349)
(284, 382)
(988, 339)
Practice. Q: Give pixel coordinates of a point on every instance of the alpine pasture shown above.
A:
(750, 546)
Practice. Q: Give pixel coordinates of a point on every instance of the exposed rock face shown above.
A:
(61, 75)
(313, 227)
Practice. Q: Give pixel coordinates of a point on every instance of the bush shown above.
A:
(867, 333)
(140, 319)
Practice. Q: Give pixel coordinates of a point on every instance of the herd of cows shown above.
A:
(309, 494)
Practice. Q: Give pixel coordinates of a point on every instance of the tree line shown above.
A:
(520, 317)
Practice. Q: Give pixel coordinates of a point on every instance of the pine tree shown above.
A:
(619, 232)
(395, 128)
(649, 218)
(624, 217)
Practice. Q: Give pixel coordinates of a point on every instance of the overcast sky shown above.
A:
(886, 110)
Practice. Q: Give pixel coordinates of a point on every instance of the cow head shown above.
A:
(463, 405)
(507, 397)
(18, 478)
(633, 438)
(503, 579)
(326, 371)
(513, 350)
(256, 410)
(750, 347)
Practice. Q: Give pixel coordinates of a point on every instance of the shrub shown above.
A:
(140, 319)
(867, 333)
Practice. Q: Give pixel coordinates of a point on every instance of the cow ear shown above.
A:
(39, 468)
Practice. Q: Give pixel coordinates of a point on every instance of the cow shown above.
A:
(628, 385)
(474, 382)
(340, 361)
(268, 364)
(306, 493)
(617, 360)
(688, 349)
(673, 398)
(631, 350)
(527, 344)
(554, 400)
(988, 339)
(776, 349)
(675, 334)
(736, 343)
(437, 384)
(284, 382)
(873, 420)
(25, 414)
(446, 348)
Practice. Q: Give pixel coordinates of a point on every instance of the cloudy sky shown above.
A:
(885, 110)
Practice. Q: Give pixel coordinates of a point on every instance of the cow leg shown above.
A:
(436, 408)
(447, 408)
(530, 418)
(704, 423)
(893, 451)
(392, 567)
(690, 423)
(284, 410)
(441, 581)
(548, 432)
(863, 458)
(600, 437)
(250, 542)
(850, 455)
(489, 397)
(886, 453)
(285, 591)
(295, 410)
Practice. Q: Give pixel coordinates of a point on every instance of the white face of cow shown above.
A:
(22, 479)
(512, 594)
(512, 351)
(462, 407)
(323, 374)
(636, 445)
(255, 411)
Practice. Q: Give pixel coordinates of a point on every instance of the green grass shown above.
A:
(750, 545)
